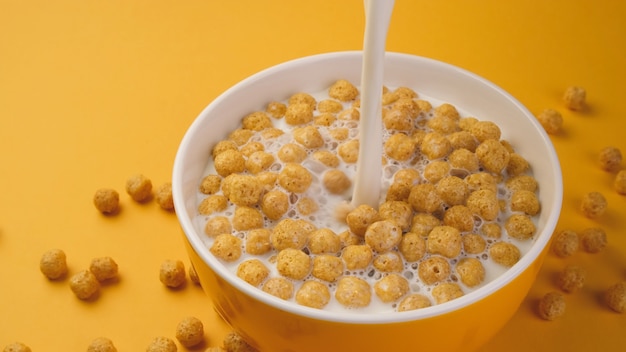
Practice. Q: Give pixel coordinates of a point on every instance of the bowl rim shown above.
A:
(541, 239)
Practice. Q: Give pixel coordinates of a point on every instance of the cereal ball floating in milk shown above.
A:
(217, 225)
(444, 240)
(423, 223)
(447, 291)
(279, 287)
(493, 156)
(383, 235)
(473, 243)
(435, 145)
(247, 218)
(388, 262)
(425, 198)
(274, 204)
(414, 301)
(504, 253)
(471, 271)
(353, 292)
(324, 240)
(412, 246)
(210, 184)
(391, 287)
(313, 294)
(226, 247)
(256, 121)
(327, 267)
(520, 226)
(398, 211)
(357, 256)
(459, 217)
(359, 219)
(252, 271)
(293, 263)
(336, 181)
(491, 230)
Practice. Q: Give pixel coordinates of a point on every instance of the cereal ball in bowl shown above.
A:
(386, 276)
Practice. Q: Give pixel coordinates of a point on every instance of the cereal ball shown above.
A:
(16, 347)
(491, 230)
(292, 153)
(447, 110)
(190, 332)
(84, 284)
(303, 98)
(329, 105)
(212, 204)
(163, 196)
(229, 162)
(391, 287)
(293, 263)
(309, 137)
(53, 264)
(336, 181)
(103, 268)
(193, 275)
(412, 246)
(326, 157)
(467, 122)
(107, 200)
(217, 225)
(339, 134)
(525, 201)
(226, 247)
(484, 130)
(433, 269)
(233, 342)
(400, 212)
(223, 146)
(552, 306)
(572, 278)
(353, 292)
(473, 243)
(565, 243)
(252, 147)
(446, 291)
(504, 253)
(400, 147)
(276, 109)
(444, 240)
(162, 344)
(101, 344)
(399, 190)
(409, 175)
(574, 98)
(295, 178)
(343, 90)
(279, 287)
(481, 180)
(517, 165)
(256, 121)
(210, 184)
(493, 156)
(520, 226)
(139, 187)
(452, 190)
(435, 145)
(484, 203)
(271, 133)
(298, 114)
(610, 158)
(324, 119)
(463, 159)
(252, 271)
(436, 170)
(413, 301)
(275, 204)
(470, 271)
(620, 182)
(268, 179)
(459, 217)
(350, 114)
(172, 273)
(551, 120)
(424, 198)
(349, 151)
(357, 256)
(327, 267)
(383, 235)
(593, 204)
(291, 233)
(359, 219)
(398, 119)
(313, 294)
(408, 105)
(246, 218)
(258, 241)
(593, 239)
(259, 161)
(324, 240)
(388, 262)
(443, 123)
(615, 297)
(522, 182)
(423, 105)
(423, 223)
(462, 140)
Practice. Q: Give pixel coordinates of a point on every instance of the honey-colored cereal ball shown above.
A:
(217, 225)
(162, 344)
(425, 198)
(348, 238)
(349, 151)
(349, 114)
(459, 217)
(484, 130)
(517, 165)
(326, 157)
(433, 269)
(324, 240)
(233, 342)
(303, 98)
(279, 287)
(327, 267)
(309, 137)
(193, 275)
(409, 175)
(275, 204)
(593, 239)
(504, 253)
(339, 134)
(360, 218)
(436, 170)
(525, 201)
(163, 196)
(400, 147)
(139, 187)
(447, 110)
(212, 204)
(565, 243)
(103, 268)
(259, 161)
(383, 235)
(400, 212)
(84, 284)
(106, 200)
(452, 190)
(336, 181)
(593, 204)
(446, 291)
(190, 332)
(491, 230)
(388, 262)
(271, 133)
(258, 241)
(251, 147)
(398, 119)
(391, 287)
(298, 114)
(423, 105)
(610, 158)
(223, 146)
(414, 301)
(493, 156)
(313, 294)
(423, 223)
(295, 178)
(172, 273)
(329, 105)
(574, 98)
(101, 344)
(615, 297)
(292, 153)
(619, 184)
(228, 162)
(443, 124)
(463, 159)
(522, 182)
(552, 306)
(463, 140)
(572, 278)
(551, 121)
(407, 104)
(481, 180)
(467, 122)
(357, 256)
(444, 240)
(399, 190)
(276, 109)
(520, 226)
(293, 263)
(252, 271)
(473, 243)
(16, 347)
(484, 203)
(290, 233)
(256, 121)
(435, 145)
(343, 90)
(412, 246)
(325, 119)
(470, 271)
(53, 264)
(353, 292)
(247, 218)
(210, 184)
(268, 179)
(226, 247)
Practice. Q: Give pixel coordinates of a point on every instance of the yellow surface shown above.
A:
(92, 92)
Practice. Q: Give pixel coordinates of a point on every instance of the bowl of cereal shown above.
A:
(471, 193)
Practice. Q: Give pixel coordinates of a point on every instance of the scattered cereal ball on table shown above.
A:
(504, 253)
(163, 196)
(215, 349)
(615, 297)
(252, 271)
(610, 158)
(279, 287)
(565, 243)
(593, 239)
(572, 278)
(84, 284)
(313, 294)
(391, 287)
(139, 188)
(16, 347)
(53, 264)
(433, 269)
(574, 98)
(293, 263)
(103, 268)
(620, 182)
(552, 306)
(593, 204)
(551, 120)
(172, 273)
(226, 247)
(162, 344)
(470, 271)
(353, 292)
(101, 344)
(446, 291)
(234, 342)
(190, 332)
(107, 200)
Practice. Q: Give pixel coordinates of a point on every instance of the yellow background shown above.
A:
(94, 91)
